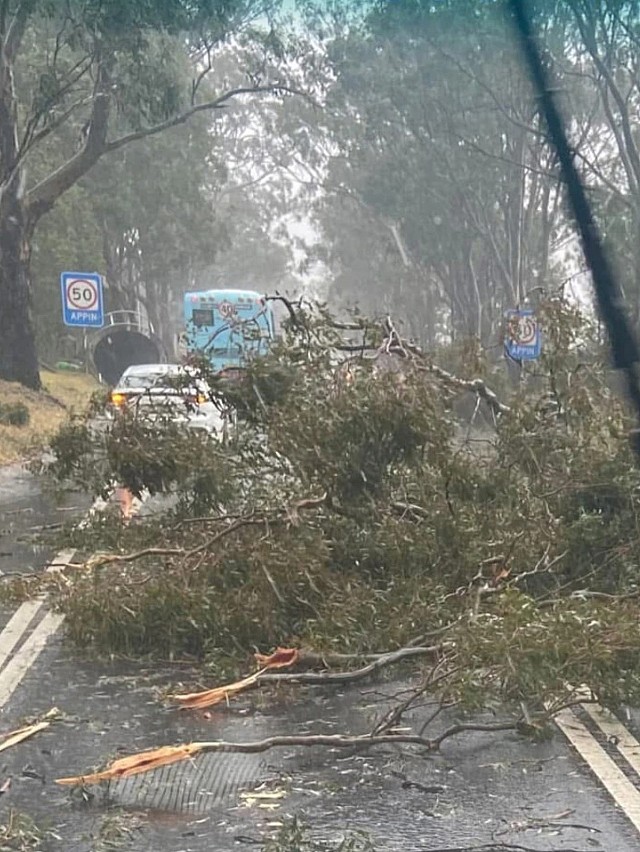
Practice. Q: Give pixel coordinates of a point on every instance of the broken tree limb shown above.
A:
(23, 734)
(211, 697)
(15, 737)
(395, 345)
(476, 386)
(288, 514)
(146, 761)
(378, 662)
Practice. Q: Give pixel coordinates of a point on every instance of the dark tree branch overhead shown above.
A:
(217, 103)
(4, 11)
(31, 135)
(41, 198)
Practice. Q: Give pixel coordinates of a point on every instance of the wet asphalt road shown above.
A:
(481, 788)
(25, 513)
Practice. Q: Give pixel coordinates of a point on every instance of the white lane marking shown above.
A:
(615, 731)
(16, 626)
(15, 670)
(623, 792)
(19, 622)
(27, 654)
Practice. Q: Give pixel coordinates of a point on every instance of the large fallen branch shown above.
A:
(288, 514)
(219, 694)
(146, 761)
(395, 345)
(476, 386)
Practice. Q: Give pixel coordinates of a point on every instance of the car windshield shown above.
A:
(142, 381)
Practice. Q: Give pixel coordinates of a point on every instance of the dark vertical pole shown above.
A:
(624, 346)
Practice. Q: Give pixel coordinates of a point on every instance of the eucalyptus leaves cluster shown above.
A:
(351, 508)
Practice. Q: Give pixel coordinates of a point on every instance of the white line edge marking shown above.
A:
(19, 622)
(15, 629)
(623, 792)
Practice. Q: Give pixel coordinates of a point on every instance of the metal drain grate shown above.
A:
(192, 787)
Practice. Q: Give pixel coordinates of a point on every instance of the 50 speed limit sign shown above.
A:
(523, 340)
(82, 303)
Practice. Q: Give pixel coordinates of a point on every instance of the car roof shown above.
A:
(146, 369)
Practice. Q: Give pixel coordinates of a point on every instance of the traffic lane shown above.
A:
(481, 788)
(111, 709)
(28, 516)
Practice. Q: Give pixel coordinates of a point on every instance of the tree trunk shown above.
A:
(18, 354)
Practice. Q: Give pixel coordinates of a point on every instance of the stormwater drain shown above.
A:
(192, 787)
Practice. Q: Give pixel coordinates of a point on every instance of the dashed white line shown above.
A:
(26, 655)
(15, 628)
(15, 670)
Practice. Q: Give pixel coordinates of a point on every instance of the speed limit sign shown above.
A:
(523, 340)
(82, 299)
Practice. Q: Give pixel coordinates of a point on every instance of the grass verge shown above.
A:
(48, 409)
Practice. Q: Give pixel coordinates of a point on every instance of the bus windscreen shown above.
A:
(201, 317)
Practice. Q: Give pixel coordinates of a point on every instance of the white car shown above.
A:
(160, 390)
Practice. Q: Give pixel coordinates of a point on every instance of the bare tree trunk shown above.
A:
(18, 354)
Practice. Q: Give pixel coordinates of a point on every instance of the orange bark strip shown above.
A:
(280, 659)
(210, 697)
(134, 764)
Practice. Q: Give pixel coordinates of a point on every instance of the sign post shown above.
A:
(523, 340)
(82, 300)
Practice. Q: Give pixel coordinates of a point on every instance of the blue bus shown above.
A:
(228, 327)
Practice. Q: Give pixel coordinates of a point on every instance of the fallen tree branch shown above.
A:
(286, 514)
(125, 767)
(476, 386)
(378, 662)
(211, 697)
(395, 345)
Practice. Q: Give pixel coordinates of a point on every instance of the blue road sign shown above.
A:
(82, 304)
(523, 340)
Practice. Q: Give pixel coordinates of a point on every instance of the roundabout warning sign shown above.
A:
(82, 299)
(523, 341)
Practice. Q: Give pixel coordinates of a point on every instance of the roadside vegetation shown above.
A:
(29, 419)
(355, 513)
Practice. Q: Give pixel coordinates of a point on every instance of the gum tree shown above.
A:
(88, 78)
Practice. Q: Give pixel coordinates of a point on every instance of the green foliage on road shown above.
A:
(294, 836)
(18, 833)
(351, 512)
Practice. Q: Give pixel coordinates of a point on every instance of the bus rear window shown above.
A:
(202, 317)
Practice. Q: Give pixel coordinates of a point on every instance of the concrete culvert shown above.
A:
(123, 348)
